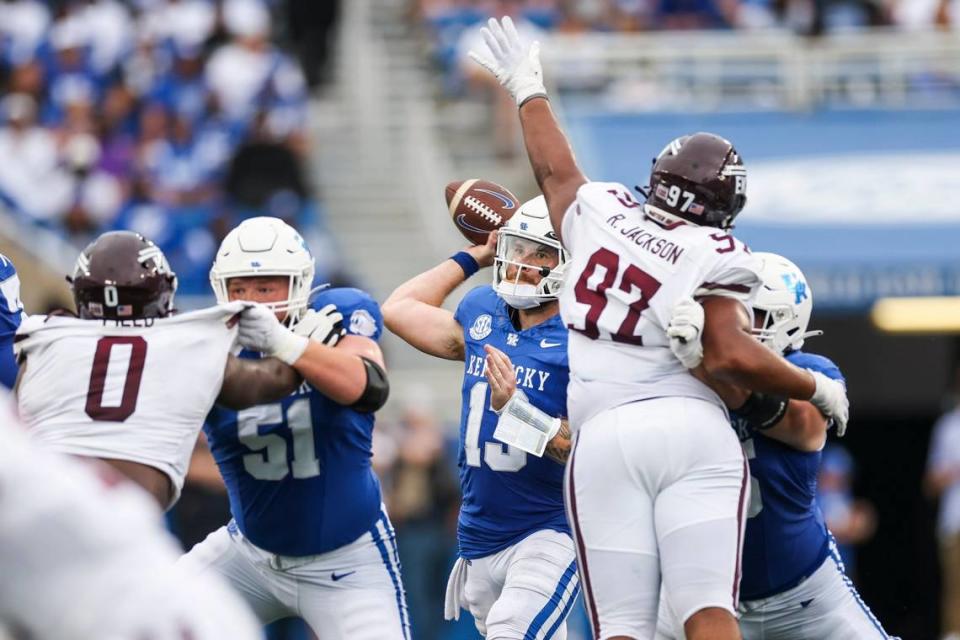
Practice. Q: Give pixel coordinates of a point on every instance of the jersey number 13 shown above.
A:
(498, 456)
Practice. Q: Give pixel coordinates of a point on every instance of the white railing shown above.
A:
(707, 71)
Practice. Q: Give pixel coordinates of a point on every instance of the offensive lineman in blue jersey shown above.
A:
(309, 535)
(793, 584)
(11, 312)
(516, 573)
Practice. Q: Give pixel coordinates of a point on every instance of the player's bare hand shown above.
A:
(484, 253)
(501, 376)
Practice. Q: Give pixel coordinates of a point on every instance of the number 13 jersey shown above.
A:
(133, 390)
(625, 275)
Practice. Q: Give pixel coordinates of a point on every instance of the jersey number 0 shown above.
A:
(131, 382)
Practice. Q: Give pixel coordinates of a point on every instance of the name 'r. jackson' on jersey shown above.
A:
(625, 275)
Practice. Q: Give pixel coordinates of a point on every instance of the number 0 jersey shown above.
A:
(133, 390)
(507, 494)
(298, 472)
(786, 538)
(625, 275)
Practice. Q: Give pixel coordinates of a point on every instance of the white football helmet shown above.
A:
(783, 303)
(266, 246)
(526, 230)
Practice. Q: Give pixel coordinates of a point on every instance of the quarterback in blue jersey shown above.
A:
(793, 585)
(309, 535)
(516, 573)
(11, 312)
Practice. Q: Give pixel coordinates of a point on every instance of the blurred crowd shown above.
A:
(169, 117)
(449, 20)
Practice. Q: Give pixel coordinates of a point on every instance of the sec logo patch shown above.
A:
(482, 327)
(362, 323)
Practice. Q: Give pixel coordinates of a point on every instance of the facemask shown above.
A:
(519, 296)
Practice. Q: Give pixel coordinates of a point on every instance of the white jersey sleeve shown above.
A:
(84, 554)
(127, 390)
(625, 275)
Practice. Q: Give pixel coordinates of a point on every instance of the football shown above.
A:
(479, 207)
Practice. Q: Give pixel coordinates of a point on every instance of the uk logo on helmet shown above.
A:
(797, 285)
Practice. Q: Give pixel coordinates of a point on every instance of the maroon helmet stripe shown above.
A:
(740, 522)
(591, 604)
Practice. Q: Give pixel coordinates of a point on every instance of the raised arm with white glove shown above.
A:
(515, 64)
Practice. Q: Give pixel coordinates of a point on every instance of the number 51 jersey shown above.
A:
(133, 390)
(625, 276)
(298, 472)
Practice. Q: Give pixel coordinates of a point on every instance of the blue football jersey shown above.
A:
(298, 472)
(507, 494)
(11, 312)
(787, 537)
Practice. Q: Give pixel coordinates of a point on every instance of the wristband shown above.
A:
(467, 262)
(290, 347)
(530, 97)
(763, 411)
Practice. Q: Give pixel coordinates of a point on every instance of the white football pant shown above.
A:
(351, 593)
(656, 489)
(825, 606)
(522, 592)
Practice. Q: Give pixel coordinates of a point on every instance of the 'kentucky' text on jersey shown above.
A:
(507, 494)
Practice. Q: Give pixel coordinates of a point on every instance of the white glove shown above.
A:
(324, 326)
(830, 397)
(684, 330)
(515, 64)
(261, 331)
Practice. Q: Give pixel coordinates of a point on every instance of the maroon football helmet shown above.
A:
(699, 178)
(121, 275)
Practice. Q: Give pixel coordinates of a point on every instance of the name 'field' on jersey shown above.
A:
(786, 538)
(507, 494)
(298, 472)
